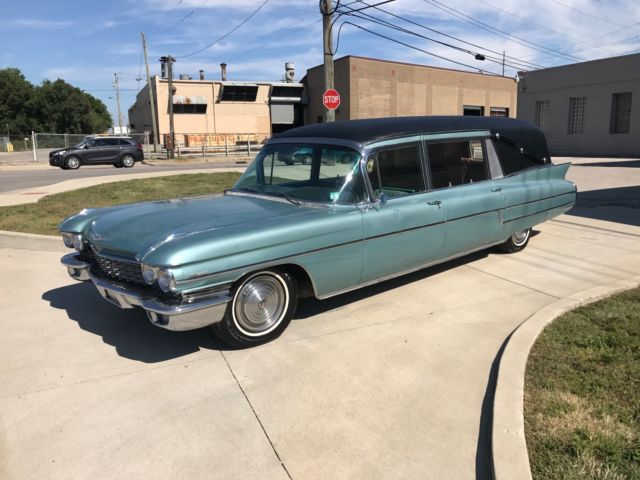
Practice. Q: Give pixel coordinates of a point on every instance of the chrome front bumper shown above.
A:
(187, 315)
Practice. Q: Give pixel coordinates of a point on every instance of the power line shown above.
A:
(419, 49)
(193, 11)
(228, 33)
(525, 19)
(501, 33)
(586, 13)
(516, 64)
(454, 38)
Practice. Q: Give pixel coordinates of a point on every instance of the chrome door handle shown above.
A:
(497, 189)
(434, 202)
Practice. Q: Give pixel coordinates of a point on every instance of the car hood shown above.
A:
(138, 230)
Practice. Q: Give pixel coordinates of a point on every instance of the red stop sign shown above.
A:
(331, 99)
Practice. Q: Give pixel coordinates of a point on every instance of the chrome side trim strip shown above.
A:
(410, 270)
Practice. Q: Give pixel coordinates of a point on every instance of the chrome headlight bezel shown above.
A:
(67, 238)
(73, 240)
(149, 274)
(166, 280)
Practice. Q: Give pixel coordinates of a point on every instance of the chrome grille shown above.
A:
(119, 269)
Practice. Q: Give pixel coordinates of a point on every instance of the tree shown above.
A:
(16, 94)
(56, 107)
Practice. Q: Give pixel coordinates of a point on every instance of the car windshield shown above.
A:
(304, 173)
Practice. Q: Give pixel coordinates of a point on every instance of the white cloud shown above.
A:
(38, 23)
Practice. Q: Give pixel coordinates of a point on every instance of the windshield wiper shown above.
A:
(286, 196)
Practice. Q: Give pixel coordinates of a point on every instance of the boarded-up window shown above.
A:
(542, 113)
(576, 115)
(620, 112)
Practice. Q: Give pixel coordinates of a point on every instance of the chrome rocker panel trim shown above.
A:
(182, 316)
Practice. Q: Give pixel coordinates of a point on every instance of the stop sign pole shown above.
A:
(331, 100)
(327, 44)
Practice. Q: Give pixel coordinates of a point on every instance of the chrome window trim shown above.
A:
(495, 168)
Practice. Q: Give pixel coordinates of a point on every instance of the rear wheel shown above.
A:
(516, 242)
(127, 161)
(72, 162)
(262, 307)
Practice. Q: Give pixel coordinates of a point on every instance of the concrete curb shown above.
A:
(31, 241)
(508, 444)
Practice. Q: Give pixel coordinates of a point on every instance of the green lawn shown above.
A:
(44, 216)
(582, 393)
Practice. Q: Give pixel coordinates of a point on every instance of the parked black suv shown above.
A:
(118, 151)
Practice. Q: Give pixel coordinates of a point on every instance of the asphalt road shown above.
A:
(20, 179)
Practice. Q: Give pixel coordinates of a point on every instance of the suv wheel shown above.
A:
(127, 161)
(72, 162)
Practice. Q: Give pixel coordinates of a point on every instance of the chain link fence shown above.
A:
(36, 146)
(19, 149)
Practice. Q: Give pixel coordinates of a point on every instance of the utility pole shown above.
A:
(172, 137)
(327, 14)
(503, 52)
(152, 99)
(117, 87)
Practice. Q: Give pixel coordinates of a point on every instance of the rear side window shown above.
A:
(457, 163)
(396, 171)
(106, 142)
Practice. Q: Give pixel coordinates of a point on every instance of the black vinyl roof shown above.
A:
(518, 134)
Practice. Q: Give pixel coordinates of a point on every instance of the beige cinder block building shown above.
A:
(379, 88)
(588, 108)
(217, 111)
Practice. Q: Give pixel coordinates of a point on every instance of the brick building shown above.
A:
(379, 88)
(588, 108)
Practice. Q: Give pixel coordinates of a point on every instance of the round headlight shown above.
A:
(150, 274)
(67, 238)
(166, 280)
(78, 244)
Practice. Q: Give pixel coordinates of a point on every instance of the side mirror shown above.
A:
(383, 198)
(86, 146)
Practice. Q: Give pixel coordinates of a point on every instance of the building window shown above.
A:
(499, 112)
(542, 113)
(576, 115)
(239, 93)
(189, 108)
(620, 113)
(473, 110)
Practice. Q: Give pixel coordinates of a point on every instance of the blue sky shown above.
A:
(85, 42)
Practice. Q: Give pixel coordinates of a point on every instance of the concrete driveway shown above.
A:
(393, 381)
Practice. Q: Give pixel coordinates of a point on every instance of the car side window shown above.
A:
(124, 142)
(110, 142)
(396, 171)
(457, 163)
(99, 142)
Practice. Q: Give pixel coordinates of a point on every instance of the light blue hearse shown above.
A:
(379, 198)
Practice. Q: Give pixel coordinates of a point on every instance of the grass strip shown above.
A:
(44, 216)
(582, 393)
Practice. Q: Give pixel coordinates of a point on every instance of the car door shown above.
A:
(110, 150)
(472, 201)
(91, 152)
(403, 229)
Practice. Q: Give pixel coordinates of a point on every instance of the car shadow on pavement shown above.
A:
(129, 331)
(619, 205)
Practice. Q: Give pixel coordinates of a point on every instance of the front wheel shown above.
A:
(516, 242)
(72, 163)
(262, 307)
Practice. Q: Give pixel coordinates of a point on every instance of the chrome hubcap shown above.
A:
(260, 304)
(72, 162)
(520, 237)
(127, 161)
